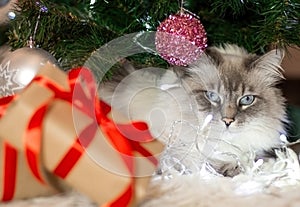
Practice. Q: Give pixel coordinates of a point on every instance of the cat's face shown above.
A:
(239, 90)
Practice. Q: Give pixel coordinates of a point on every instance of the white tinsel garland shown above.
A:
(187, 178)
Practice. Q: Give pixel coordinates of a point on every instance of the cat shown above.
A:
(237, 90)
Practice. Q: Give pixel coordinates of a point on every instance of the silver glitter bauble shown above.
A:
(19, 67)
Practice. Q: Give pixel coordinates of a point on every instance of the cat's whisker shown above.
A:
(207, 120)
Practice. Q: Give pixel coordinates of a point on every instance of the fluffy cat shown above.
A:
(237, 88)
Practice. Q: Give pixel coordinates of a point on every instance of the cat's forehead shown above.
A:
(231, 71)
(227, 78)
(232, 66)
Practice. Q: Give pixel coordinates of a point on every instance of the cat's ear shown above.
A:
(181, 71)
(274, 56)
(213, 55)
(269, 65)
(205, 66)
(210, 58)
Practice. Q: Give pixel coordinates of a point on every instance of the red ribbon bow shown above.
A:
(125, 138)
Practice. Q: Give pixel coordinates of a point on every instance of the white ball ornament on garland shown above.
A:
(19, 67)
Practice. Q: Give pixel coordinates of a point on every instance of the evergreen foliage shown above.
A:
(72, 29)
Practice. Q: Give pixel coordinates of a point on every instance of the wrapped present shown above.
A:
(58, 134)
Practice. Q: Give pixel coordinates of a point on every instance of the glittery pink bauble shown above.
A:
(180, 39)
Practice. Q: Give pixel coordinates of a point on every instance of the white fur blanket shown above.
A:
(274, 183)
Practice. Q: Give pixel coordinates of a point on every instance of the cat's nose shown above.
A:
(227, 121)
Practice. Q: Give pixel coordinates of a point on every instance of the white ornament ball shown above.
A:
(4, 51)
(19, 67)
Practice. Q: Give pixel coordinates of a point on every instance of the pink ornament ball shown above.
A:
(180, 39)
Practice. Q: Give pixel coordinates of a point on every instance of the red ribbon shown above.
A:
(4, 103)
(10, 171)
(10, 159)
(85, 99)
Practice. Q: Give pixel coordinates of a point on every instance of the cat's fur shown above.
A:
(163, 97)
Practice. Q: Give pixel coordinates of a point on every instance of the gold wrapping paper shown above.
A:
(12, 127)
(100, 173)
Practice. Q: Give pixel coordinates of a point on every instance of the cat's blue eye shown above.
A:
(247, 100)
(212, 96)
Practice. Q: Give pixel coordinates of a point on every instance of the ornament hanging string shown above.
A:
(184, 10)
(181, 6)
(21, 65)
(31, 41)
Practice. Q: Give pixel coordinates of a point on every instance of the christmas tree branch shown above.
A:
(72, 29)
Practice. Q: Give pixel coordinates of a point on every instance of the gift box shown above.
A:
(57, 134)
